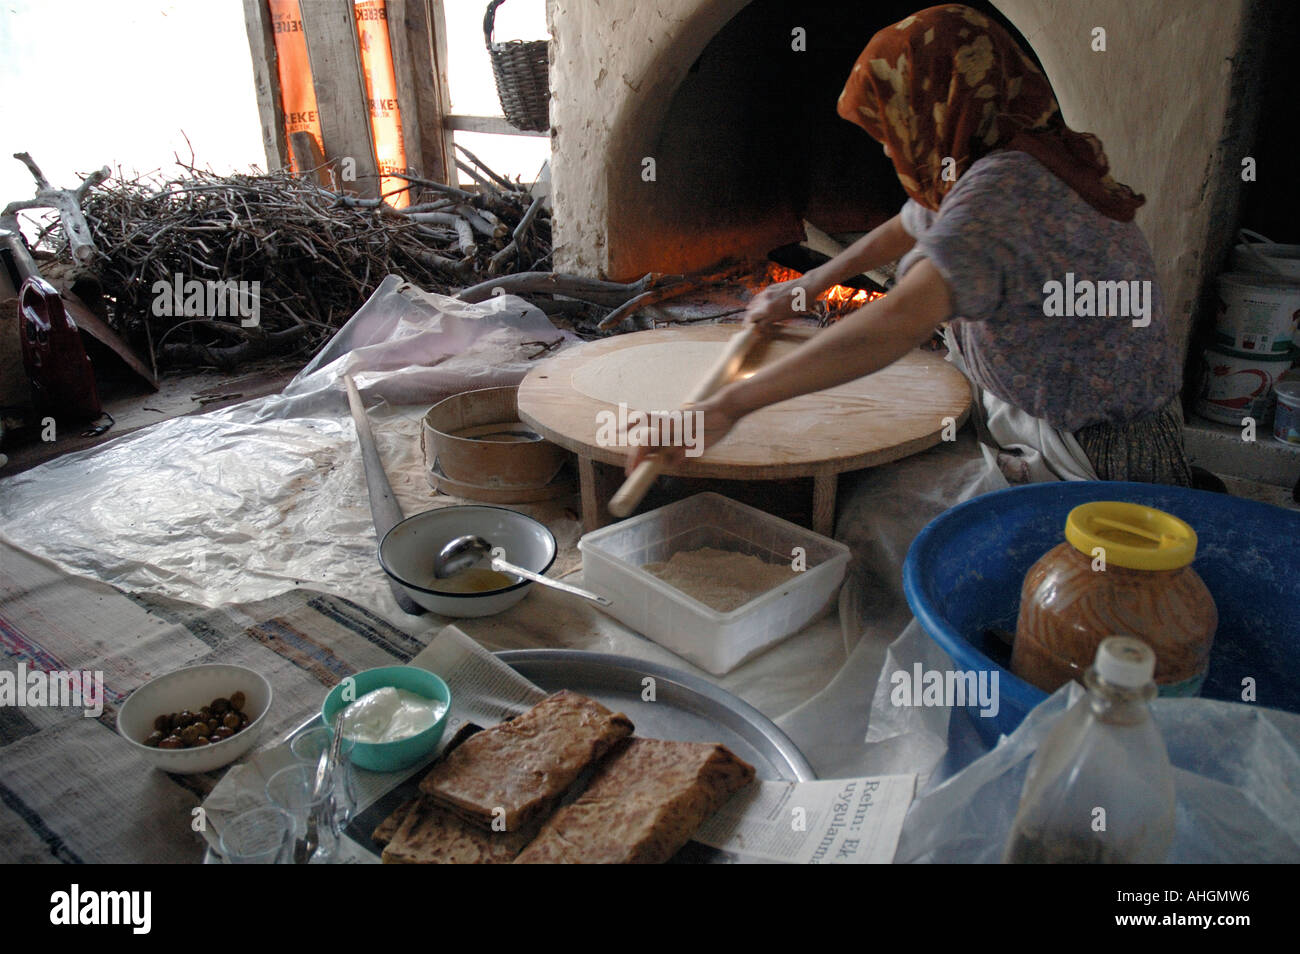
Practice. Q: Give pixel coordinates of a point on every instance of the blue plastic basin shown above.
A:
(963, 573)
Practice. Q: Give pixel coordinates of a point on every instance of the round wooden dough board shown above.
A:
(885, 416)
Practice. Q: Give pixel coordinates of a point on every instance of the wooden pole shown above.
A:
(341, 103)
(266, 83)
(411, 25)
(437, 23)
(634, 489)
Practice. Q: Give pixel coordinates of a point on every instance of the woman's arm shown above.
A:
(874, 336)
(884, 244)
(871, 338)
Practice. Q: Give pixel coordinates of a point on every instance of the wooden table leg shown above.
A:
(823, 510)
(595, 494)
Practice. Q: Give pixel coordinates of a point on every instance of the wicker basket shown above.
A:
(522, 74)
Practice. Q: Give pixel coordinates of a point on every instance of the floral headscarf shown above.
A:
(948, 83)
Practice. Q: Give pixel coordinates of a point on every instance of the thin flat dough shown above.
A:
(654, 377)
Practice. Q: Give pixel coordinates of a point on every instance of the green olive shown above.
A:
(237, 700)
(231, 721)
(201, 740)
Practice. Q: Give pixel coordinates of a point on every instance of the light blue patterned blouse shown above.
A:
(1076, 353)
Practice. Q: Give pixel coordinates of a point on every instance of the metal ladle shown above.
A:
(464, 552)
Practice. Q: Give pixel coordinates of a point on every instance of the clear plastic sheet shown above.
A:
(1237, 775)
(251, 501)
(882, 510)
(247, 502)
(254, 500)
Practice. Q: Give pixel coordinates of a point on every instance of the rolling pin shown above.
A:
(384, 508)
(636, 486)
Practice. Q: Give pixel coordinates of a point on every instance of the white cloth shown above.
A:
(1026, 448)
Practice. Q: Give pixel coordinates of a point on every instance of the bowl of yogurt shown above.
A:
(394, 715)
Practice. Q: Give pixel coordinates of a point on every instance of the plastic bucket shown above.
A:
(1286, 421)
(1236, 385)
(963, 576)
(1264, 256)
(1256, 313)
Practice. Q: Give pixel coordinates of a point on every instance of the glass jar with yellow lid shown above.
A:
(1123, 570)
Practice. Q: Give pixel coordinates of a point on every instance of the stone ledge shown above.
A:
(1219, 449)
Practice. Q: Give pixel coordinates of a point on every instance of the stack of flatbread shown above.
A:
(496, 797)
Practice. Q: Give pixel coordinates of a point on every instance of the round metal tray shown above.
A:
(686, 708)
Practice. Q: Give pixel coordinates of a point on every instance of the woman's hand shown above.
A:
(776, 303)
(711, 421)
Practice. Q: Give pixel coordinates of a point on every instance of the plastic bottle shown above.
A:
(1100, 789)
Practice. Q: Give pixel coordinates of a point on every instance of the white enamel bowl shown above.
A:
(407, 551)
(192, 688)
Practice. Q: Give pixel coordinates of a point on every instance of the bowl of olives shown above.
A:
(196, 719)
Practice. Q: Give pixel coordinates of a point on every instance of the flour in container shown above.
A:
(722, 580)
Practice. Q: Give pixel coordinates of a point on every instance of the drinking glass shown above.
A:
(262, 836)
(291, 790)
(307, 747)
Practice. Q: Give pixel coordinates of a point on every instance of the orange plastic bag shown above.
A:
(381, 94)
(297, 94)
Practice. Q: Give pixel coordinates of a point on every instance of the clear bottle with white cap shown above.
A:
(1100, 788)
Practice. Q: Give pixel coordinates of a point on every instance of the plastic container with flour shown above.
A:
(613, 559)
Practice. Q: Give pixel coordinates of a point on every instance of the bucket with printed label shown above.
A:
(1256, 313)
(1286, 420)
(1235, 385)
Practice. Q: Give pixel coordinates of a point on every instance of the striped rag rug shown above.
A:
(71, 790)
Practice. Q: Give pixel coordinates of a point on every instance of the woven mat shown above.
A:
(71, 790)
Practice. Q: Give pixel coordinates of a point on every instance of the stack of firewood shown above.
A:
(314, 256)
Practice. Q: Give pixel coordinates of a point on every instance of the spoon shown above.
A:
(464, 552)
(325, 768)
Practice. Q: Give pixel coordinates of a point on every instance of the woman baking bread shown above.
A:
(1004, 197)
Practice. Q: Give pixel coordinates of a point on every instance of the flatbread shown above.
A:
(644, 803)
(430, 835)
(387, 828)
(523, 767)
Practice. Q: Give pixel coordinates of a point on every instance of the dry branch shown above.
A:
(316, 255)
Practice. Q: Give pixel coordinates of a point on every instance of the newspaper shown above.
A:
(851, 820)
(838, 821)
